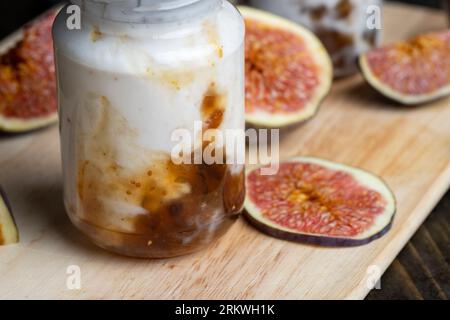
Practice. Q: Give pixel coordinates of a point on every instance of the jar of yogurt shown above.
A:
(347, 28)
(131, 76)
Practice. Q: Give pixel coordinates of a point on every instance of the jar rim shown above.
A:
(145, 11)
(142, 5)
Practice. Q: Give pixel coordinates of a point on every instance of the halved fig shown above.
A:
(319, 202)
(411, 72)
(27, 79)
(8, 229)
(288, 71)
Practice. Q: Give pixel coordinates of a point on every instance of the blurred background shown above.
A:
(16, 13)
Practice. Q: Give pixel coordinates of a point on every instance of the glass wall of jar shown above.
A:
(136, 77)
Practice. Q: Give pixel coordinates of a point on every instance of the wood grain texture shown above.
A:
(408, 147)
(422, 270)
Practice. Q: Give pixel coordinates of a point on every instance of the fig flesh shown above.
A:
(319, 202)
(8, 229)
(27, 79)
(412, 72)
(288, 71)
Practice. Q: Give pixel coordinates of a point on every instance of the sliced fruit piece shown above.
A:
(8, 124)
(8, 229)
(288, 71)
(319, 202)
(411, 72)
(27, 80)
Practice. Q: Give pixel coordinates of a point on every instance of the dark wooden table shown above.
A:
(421, 271)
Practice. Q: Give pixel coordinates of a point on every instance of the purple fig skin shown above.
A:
(323, 240)
(316, 240)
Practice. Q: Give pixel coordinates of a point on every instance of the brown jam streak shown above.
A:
(2, 240)
(333, 40)
(213, 38)
(317, 13)
(344, 9)
(184, 206)
(212, 109)
(234, 192)
(96, 34)
(191, 221)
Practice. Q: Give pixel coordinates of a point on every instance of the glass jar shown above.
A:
(347, 28)
(135, 73)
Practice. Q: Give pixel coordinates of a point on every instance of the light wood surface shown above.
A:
(408, 147)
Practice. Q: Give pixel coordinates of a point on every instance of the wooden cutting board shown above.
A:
(408, 147)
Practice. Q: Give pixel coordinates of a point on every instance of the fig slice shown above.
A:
(8, 229)
(288, 71)
(411, 72)
(27, 79)
(319, 202)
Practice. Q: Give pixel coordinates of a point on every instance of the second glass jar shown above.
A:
(347, 28)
